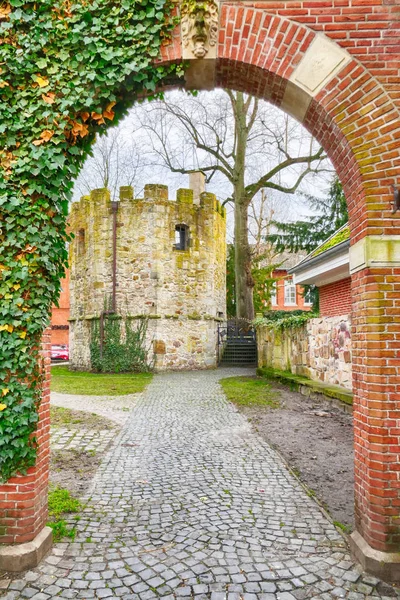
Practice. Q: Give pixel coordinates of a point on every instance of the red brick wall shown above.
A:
(376, 380)
(60, 314)
(23, 499)
(280, 294)
(367, 29)
(335, 298)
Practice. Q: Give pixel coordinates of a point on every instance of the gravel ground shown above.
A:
(316, 440)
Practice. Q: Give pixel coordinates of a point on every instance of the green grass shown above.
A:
(250, 391)
(343, 526)
(97, 384)
(61, 503)
(61, 530)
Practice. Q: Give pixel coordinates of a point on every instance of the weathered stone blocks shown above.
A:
(320, 349)
(180, 291)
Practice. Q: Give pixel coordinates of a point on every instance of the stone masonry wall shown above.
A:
(320, 350)
(181, 292)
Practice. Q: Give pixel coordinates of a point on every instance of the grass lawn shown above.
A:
(250, 391)
(97, 384)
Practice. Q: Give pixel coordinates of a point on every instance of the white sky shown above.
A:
(136, 149)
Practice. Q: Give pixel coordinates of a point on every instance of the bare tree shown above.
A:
(116, 160)
(224, 135)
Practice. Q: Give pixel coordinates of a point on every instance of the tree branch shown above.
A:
(264, 181)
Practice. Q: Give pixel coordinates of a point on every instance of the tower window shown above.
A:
(181, 237)
(81, 242)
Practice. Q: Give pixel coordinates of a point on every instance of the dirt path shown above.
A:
(79, 441)
(316, 439)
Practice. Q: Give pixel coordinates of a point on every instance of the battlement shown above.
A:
(153, 192)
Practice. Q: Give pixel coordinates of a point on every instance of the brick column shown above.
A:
(376, 378)
(23, 499)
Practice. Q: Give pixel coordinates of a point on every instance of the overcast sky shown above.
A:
(138, 162)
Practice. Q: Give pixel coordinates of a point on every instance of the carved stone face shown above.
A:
(199, 47)
(201, 29)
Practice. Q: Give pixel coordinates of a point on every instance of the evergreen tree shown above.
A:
(308, 234)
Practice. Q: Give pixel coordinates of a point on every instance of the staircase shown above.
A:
(237, 345)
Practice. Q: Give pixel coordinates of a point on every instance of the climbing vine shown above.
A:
(124, 349)
(67, 70)
(280, 320)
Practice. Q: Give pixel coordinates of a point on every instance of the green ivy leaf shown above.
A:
(57, 66)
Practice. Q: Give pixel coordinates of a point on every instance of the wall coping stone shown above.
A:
(307, 386)
(375, 251)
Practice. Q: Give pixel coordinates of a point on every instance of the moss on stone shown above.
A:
(340, 236)
(332, 391)
(185, 196)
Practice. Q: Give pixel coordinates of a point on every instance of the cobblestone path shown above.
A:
(64, 438)
(189, 503)
(115, 408)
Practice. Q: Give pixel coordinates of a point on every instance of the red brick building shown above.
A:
(60, 315)
(328, 267)
(288, 295)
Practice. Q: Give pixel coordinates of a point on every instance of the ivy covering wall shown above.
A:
(124, 348)
(67, 70)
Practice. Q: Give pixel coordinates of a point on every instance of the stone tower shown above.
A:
(160, 259)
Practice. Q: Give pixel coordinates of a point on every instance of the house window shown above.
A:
(181, 237)
(274, 301)
(290, 293)
(81, 242)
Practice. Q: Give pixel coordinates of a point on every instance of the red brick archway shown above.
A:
(354, 113)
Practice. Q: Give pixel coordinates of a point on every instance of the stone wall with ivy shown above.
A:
(319, 348)
(181, 293)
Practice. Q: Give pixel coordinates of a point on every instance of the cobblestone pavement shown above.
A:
(190, 503)
(89, 440)
(115, 408)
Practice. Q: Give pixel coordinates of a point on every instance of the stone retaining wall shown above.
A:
(320, 350)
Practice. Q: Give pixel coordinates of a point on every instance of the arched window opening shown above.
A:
(81, 242)
(181, 237)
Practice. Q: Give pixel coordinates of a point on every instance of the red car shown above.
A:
(59, 352)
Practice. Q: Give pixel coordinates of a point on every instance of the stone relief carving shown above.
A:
(199, 29)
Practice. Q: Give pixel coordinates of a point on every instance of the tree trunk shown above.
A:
(244, 280)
